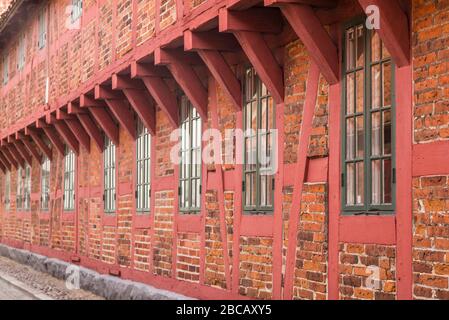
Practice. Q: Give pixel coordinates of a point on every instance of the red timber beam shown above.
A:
(102, 116)
(64, 131)
(139, 99)
(152, 77)
(116, 102)
(208, 46)
(5, 161)
(29, 145)
(9, 156)
(88, 123)
(33, 133)
(21, 149)
(394, 29)
(52, 135)
(76, 127)
(180, 66)
(13, 153)
(300, 175)
(2, 167)
(313, 35)
(248, 27)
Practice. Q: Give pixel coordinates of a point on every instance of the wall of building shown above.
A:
(220, 252)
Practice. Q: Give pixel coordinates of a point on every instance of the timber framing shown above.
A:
(215, 45)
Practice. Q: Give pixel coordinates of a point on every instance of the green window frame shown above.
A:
(143, 168)
(258, 119)
(69, 180)
(77, 10)
(7, 190)
(368, 124)
(42, 29)
(109, 171)
(45, 183)
(191, 163)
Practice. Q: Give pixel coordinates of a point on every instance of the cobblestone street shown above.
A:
(20, 282)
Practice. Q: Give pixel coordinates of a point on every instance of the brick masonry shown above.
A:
(106, 39)
(367, 272)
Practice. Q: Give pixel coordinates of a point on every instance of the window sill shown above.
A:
(142, 220)
(109, 219)
(68, 216)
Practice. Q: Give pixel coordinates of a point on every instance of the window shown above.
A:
(77, 9)
(23, 195)
(45, 183)
(259, 121)
(109, 175)
(368, 173)
(5, 68)
(190, 169)
(42, 29)
(7, 190)
(69, 180)
(19, 193)
(143, 168)
(21, 53)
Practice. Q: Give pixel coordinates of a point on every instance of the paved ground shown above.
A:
(11, 292)
(20, 282)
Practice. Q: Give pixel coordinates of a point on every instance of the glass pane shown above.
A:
(375, 182)
(375, 47)
(271, 115)
(360, 137)
(360, 46)
(387, 197)
(350, 84)
(375, 134)
(375, 86)
(387, 84)
(350, 174)
(350, 49)
(350, 138)
(254, 115)
(360, 183)
(385, 52)
(360, 91)
(263, 190)
(386, 132)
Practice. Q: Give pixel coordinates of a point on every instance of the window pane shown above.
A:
(386, 132)
(350, 49)
(360, 46)
(350, 84)
(387, 196)
(375, 182)
(360, 183)
(350, 139)
(387, 84)
(375, 133)
(350, 175)
(360, 137)
(360, 91)
(376, 89)
(375, 47)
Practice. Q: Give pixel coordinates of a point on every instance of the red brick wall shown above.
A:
(431, 115)
(359, 263)
(154, 250)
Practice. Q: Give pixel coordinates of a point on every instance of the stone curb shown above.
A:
(109, 287)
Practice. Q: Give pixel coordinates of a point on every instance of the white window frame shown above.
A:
(191, 162)
(109, 172)
(77, 10)
(5, 68)
(7, 190)
(45, 183)
(42, 29)
(69, 179)
(143, 169)
(21, 52)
